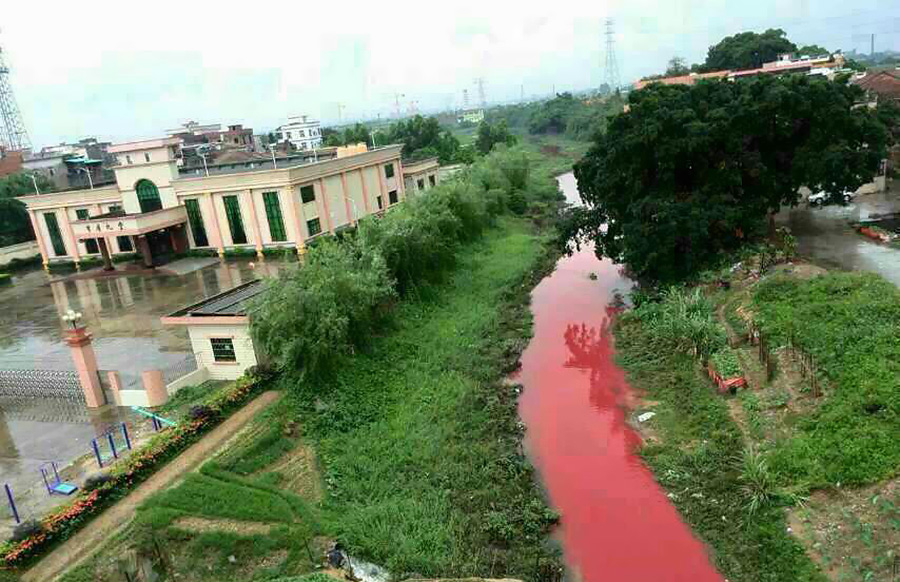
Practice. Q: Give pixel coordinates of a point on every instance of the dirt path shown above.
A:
(86, 541)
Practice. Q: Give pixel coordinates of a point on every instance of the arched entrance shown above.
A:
(148, 196)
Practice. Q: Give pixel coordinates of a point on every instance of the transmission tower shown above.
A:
(465, 98)
(480, 82)
(12, 130)
(611, 69)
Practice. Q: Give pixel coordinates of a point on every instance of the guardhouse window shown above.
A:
(223, 349)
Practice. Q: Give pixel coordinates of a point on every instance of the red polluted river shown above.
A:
(617, 524)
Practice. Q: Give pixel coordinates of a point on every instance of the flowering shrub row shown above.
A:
(125, 476)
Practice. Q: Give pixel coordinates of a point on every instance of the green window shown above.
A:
(59, 249)
(223, 349)
(313, 226)
(233, 212)
(90, 245)
(196, 220)
(392, 196)
(307, 194)
(125, 245)
(148, 196)
(389, 171)
(380, 202)
(273, 212)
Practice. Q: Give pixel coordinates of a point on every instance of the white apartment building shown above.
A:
(304, 133)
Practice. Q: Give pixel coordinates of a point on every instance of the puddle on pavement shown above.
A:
(826, 236)
(617, 524)
(123, 315)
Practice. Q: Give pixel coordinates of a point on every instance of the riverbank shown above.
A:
(777, 478)
(419, 438)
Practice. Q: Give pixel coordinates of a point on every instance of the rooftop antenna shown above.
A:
(611, 76)
(13, 135)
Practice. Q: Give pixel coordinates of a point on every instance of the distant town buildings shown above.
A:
(826, 65)
(72, 165)
(302, 132)
(159, 208)
(475, 116)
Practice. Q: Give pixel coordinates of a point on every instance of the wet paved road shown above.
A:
(123, 315)
(825, 235)
(617, 524)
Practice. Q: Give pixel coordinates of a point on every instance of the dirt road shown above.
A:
(85, 542)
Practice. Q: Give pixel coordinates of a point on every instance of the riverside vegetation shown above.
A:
(393, 343)
(739, 467)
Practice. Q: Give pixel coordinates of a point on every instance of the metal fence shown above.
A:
(179, 369)
(26, 385)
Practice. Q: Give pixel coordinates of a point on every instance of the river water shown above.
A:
(617, 524)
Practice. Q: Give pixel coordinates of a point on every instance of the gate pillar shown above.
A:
(79, 341)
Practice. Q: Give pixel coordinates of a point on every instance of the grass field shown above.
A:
(419, 437)
(238, 518)
(770, 477)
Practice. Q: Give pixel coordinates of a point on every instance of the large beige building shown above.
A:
(154, 210)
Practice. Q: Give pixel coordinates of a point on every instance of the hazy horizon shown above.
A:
(117, 76)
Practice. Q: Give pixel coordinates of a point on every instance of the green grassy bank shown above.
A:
(418, 437)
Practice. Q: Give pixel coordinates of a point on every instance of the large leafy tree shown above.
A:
(423, 137)
(490, 134)
(692, 171)
(15, 226)
(748, 50)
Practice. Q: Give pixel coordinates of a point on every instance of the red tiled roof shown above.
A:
(883, 83)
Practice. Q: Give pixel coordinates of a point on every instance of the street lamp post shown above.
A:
(272, 147)
(205, 167)
(88, 172)
(34, 179)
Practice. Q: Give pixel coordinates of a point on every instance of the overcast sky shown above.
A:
(124, 70)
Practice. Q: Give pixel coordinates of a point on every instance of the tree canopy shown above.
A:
(15, 226)
(490, 134)
(692, 171)
(747, 50)
(350, 135)
(577, 118)
(423, 137)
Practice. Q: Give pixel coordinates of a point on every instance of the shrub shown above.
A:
(25, 530)
(200, 412)
(96, 481)
(681, 321)
(726, 363)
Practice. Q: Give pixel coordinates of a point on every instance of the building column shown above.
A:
(325, 205)
(39, 236)
(297, 218)
(401, 184)
(85, 366)
(215, 232)
(67, 228)
(365, 191)
(382, 187)
(144, 248)
(347, 199)
(254, 223)
(104, 252)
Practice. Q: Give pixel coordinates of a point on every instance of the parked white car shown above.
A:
(821, 197)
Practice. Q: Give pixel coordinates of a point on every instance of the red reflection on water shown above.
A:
(617, 524)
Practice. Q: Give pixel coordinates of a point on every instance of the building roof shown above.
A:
(227, 303)
(147, 144)
(884, 83)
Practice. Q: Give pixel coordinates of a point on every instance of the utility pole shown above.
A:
(611, 69)
(13, 135)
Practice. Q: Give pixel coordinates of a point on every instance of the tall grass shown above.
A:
(682, 321)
